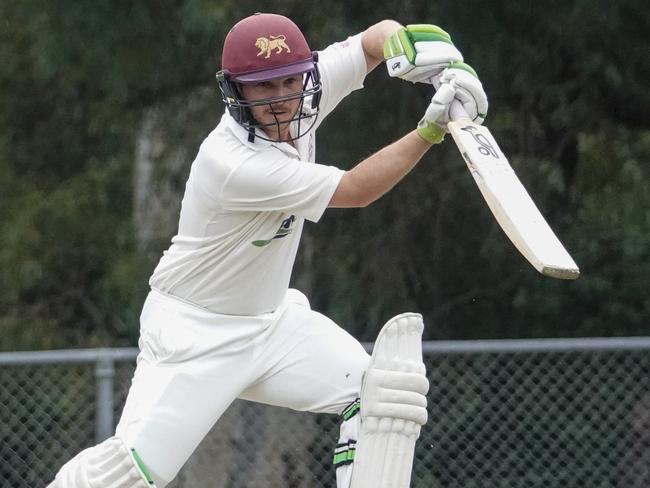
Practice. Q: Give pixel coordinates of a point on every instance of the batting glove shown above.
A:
(469, 90)
(458, 82)
(418, 52)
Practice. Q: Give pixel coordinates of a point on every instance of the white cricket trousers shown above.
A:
(194, 363)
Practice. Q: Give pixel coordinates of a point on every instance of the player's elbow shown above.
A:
(364, 202)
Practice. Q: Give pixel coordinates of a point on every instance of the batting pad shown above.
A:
(393, 406)
(109, 464)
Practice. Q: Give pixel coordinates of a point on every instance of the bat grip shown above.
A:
(457, 111)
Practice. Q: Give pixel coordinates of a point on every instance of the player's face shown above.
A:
(276, 117)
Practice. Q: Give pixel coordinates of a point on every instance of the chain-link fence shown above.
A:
(542, 413)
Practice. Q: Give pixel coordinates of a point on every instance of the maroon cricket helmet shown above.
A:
(265, 46)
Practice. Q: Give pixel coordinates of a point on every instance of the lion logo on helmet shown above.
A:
(267, 45)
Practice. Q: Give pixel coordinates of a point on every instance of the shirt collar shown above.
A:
(258, 144)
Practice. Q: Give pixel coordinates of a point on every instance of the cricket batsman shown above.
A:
(221, 322)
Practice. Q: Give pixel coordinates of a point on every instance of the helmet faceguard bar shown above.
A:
(306, 92)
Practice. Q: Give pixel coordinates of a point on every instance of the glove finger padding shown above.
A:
(418, 52)
(433, 125)
(468, 88)
(438, 110)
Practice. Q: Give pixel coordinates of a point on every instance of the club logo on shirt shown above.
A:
(267, 45)
(285, 229)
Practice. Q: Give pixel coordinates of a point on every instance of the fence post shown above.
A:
(104, 376)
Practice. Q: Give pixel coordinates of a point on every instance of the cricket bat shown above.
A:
(507, 198)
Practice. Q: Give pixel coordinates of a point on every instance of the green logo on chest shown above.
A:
(285, 229)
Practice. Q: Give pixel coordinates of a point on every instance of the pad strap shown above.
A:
(351, 410)
(344, 453)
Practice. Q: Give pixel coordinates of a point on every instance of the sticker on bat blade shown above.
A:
(485, 146)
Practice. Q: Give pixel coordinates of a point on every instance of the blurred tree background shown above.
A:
(103, 105)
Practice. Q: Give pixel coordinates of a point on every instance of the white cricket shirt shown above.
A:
(245, 204)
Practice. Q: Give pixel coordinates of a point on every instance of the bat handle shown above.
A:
(457, 111)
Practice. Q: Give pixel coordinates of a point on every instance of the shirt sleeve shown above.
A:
(342, 68)
(280, 183)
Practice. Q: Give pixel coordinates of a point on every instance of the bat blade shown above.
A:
(509, 201)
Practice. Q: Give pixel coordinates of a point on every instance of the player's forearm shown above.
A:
(376, 175)
(373, 39)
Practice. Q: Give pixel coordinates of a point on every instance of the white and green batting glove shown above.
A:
(458, 82)
(418, 52)
(468, 87)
